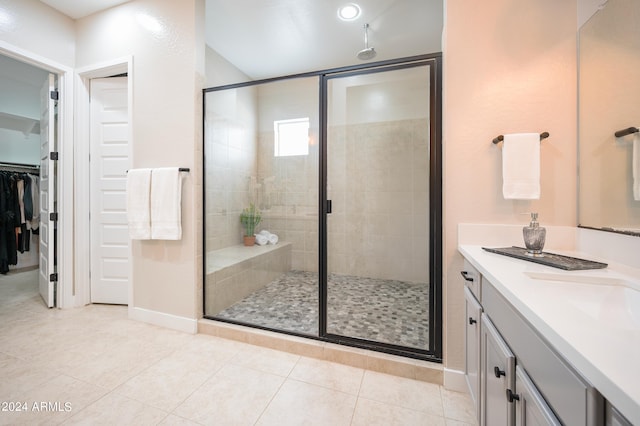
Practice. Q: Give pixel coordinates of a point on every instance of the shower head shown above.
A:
(368, 52)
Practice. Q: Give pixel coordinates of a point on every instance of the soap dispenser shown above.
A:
(534, 236)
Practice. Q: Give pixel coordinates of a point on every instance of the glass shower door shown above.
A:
(378, 177)
(261, 153)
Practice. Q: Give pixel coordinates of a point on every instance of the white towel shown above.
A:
(635, 165)
(266, 237)
(261, 240)
(273, 239)
(166, 196)
(521, 166)
(138, 213)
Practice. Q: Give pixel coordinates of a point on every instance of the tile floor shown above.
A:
(92, 365)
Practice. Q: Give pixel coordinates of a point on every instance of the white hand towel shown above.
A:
(635, 165)
(138, 213)
(521, 166)
(166, 195)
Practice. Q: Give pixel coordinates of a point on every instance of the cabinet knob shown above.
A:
(472, 321)
(512, 396)
(497, 372)
(465, 276)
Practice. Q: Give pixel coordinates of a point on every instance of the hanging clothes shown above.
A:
(15, 234)
(9, 219)
(34, 223)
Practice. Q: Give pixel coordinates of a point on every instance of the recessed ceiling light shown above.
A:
(349, 12)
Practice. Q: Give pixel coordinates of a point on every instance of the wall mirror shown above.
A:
(609, 85)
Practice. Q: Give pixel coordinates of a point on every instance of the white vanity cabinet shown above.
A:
(473, 313)
(521, 379)
(497, 377)
(530, 407)
(614, 418)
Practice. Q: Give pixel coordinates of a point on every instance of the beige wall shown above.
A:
(509, 66)
(219, 71)
(38, 29)
(166, 40)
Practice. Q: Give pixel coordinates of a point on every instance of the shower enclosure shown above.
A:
(344, 166)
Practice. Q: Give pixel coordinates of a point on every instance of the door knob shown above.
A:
(472, 321)
(498, 372)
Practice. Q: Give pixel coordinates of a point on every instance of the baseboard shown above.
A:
(454, 380)
(174, 322)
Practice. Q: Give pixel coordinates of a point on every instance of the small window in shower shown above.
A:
(291, 137)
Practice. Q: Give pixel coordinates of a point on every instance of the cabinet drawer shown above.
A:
(572, 399)
(472, 279)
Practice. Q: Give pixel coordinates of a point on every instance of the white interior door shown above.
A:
(47, 192)
(109, 160)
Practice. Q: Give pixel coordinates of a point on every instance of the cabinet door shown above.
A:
(473, 310)
(498, 375)
(531, 408)
(613, 417)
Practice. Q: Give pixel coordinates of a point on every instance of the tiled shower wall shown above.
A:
(231, 156)
(289, 199)
(378, 181)
(379, 186)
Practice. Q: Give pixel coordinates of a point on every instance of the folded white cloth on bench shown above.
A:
(261, 239)
(266, 237)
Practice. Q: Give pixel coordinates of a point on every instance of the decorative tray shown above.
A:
(567, 263)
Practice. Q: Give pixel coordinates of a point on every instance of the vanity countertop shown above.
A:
(588, 323)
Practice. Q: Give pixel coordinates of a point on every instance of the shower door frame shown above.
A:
(434, 352)
(434, 61)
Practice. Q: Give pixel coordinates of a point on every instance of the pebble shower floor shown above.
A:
(381, 310)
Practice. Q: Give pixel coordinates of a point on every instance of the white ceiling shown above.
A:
(268, 38)
(77, 9)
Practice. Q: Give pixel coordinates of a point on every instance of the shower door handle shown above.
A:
(328, 206)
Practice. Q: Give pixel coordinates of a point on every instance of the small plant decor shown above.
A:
(250, 218)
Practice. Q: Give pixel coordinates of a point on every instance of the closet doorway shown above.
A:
(109, 160)
(28, 114)
(103, 111)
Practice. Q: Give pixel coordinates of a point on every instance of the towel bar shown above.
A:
(627, 131)
(500, 138)
(181, 169)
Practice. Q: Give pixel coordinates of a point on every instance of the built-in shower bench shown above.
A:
(235, 272)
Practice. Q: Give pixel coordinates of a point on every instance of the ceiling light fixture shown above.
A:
(349, 12)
